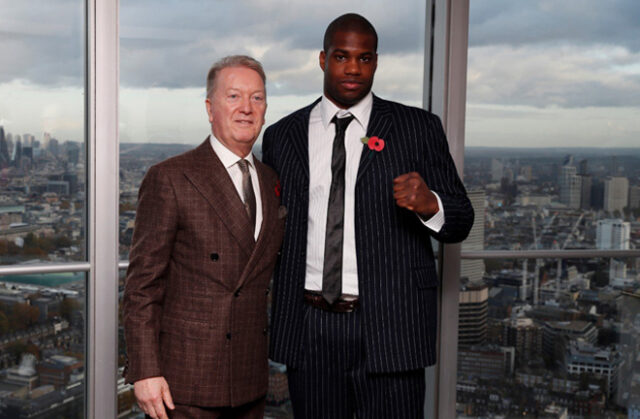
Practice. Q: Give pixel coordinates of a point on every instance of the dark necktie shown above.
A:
(332, 270)
(247, 191)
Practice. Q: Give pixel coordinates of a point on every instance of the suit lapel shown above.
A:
(267, 195)
(299, 136)
(380, 123)
(211, 179)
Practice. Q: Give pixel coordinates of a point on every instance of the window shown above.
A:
(551, 164)
(43, 209)
(165, 54)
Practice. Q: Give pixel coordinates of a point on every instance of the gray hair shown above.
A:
(233, 61)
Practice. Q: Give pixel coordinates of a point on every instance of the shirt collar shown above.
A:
(226, 156)
(361, 110)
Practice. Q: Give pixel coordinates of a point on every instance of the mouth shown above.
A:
(351, 84)
(244, 122)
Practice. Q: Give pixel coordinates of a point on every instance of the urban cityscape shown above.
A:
(543, 338)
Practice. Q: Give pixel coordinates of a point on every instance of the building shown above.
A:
(473, 269)
(59, 370)
(525, 336)
(634, 196)
(585, 191)
(473, 314)
(613, 234)
(570, 187)
(584, 357)
(616, 193)
(486, 361)
(554, 331)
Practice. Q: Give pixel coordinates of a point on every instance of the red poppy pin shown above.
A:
(277, 188)
(374, 143)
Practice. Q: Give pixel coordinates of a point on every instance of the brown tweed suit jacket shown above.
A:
(195, 300)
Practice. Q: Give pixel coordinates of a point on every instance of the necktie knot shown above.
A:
(342, 123)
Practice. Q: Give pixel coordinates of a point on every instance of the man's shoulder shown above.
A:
(301, 115)
(179, 161)
(401, 110)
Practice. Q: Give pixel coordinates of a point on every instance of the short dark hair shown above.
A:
(233, 61)
(350, 22)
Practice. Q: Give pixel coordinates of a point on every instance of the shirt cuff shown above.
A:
(436, 221)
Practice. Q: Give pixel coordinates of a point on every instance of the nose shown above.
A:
(245, 106)
(353, 66)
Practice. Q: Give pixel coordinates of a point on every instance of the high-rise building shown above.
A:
(585, 191)
(4, 150)
(525, 336)
(616, 193)
(473, 269)
(597, 194)
(634, 196)
(569, 187)
(496, 170)
(613, 234)
(473, 314)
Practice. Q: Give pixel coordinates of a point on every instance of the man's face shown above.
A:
(236, 108)
(349, 66)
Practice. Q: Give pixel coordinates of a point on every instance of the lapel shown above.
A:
(380, 123)
(211, 179)
(299, 136)
(269, 222)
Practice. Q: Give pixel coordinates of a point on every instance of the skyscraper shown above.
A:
(616, 193)
(473, 269)
(473, 315)
(4, 150)
(570, 187)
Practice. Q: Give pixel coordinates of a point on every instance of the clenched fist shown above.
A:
(411, 192)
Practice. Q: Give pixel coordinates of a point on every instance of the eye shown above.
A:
(233, 96)
(365, 59)
(258, 98)
(340, 57)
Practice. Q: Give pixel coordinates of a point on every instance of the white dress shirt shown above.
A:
(321, 134)
(230, 161)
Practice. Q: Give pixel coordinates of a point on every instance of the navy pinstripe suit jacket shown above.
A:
(396, 271)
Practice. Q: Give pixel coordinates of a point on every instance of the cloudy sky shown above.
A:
(541, 73)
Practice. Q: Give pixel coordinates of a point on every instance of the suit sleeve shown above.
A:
(153, 237)
(268, 155)
(442, 177)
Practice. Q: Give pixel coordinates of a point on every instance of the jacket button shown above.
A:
(264, 331)
(267, 291)
(214, 256)
(229, 336)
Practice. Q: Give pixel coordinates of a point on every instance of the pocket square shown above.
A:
(282, 212)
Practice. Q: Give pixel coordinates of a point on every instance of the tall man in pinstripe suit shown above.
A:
(367, 183)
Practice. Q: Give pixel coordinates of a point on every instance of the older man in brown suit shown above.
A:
(208, 228)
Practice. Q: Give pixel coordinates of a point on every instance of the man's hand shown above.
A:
(152, 394)
(411, 192)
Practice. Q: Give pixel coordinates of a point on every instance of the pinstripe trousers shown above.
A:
(332, 382)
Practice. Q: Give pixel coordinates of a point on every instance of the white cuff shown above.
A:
(436, 221)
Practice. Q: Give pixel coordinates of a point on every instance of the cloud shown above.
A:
(579, 22)
(564, 76)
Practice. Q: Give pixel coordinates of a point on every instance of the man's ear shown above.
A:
(207, 103)
(322, 59)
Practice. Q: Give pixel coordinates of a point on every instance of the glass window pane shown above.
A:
(551, 162)
(166, 53)
(42, 132)
(42, 345)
